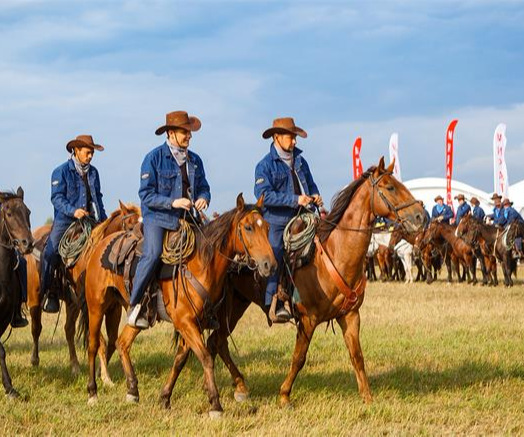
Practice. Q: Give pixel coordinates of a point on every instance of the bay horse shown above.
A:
(343, 238)
(15, 235)
(241, 231)
(124, 218)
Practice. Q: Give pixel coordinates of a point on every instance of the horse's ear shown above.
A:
(240, 202)
(20, 193)
(381, 165)
(391, 166)
(260, 202)
(123, 207)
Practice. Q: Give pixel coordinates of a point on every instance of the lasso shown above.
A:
(73, 243)
(296, 242)
(183, 248)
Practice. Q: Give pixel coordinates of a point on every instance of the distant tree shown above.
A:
(49, 221)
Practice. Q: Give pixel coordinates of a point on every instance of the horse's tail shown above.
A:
(82, 334)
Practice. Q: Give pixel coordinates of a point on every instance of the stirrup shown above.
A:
(282, 315)
(135, 319)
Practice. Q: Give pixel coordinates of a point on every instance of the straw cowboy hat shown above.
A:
(439, 197)
(496, 196)
(180, 120)
(284, 125)
(475, 201)
(459, 197)
(83, 141)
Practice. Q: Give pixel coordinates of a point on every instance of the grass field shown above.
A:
(441, 360)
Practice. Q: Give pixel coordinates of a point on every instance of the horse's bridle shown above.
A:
(251, 262)
(125, 217)
(395, 209)
(12, 242)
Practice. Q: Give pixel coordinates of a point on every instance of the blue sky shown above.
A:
(343, 69)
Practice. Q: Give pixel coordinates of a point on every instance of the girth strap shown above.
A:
(351, 295)
(202, 292)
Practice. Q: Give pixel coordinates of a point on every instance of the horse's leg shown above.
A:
(180, 360)
(494, 272)
(123, 345)
(72, 312)
(192, 336)
(350, 324)
(95, 322)
(112, 319)
(217, 343)
(36, 330)
(305, 331)
(6, 379)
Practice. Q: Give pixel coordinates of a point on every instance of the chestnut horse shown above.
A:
(15, 234)
(123, 218)
(343, 240)
(241, 231)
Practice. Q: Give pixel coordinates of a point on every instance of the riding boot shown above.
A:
(19, 319)
(136, 318)
(51, 304)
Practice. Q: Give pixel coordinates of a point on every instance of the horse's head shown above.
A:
(391, 199)
(431, 232)
(465, 225)
(129, 215)
(15, 227)
(251, 238)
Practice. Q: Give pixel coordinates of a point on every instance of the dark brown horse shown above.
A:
(343, 238)
(241, 231)
(123, 218)
(15, 234)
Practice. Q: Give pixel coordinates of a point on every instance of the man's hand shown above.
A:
(304, 200)
(440, 218)
(79, 213)
(182, 203)
(200, 204)
(317, 199)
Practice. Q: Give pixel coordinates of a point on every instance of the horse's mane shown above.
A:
(340, 203)
(8, 195)
(98, 232)
(213, 238)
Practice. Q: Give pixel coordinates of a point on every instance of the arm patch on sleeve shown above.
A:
(145, 175)
(54, 183)
(259, 181)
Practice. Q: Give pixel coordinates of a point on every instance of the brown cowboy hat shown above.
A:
(496, 196)
(179, 119)
(83, 141)
(460, 197)
(506, 201)
(284, 125)
(475, 201)
(439, 197)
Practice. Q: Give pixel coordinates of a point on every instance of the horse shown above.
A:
(241, 231)
(484, 237)
(506, 244)
(15, 235)
(124, 218)
(403, 243)
(332, 285)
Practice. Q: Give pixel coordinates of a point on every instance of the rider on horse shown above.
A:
(477, 212)
(497, 216)
(462, 209)
(172, 180)
(441, 212)
(284, 178)
(75, 193)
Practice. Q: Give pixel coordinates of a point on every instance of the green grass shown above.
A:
(441, 360)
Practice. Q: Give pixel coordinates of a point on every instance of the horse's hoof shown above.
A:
(240, 396)
(108, 382)
(75, 369)
(165, 402)
(13, 394)
(132, 399)
(35, 362)
(214, 414)
(92, 400)
(285, 402)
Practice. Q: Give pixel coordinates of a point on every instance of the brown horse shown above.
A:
(15, 234)
(241, 231)
(123, 218)
(343, 240)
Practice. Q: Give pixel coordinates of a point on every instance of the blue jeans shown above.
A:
(152, 249)
(50, 256)
(276, 233)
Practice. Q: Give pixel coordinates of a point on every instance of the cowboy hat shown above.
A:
(83, 141)
(284, 125)
(496, 196)
(439, 197)
(506, 201)
(460, 197)
(180, 120)
(475, 201)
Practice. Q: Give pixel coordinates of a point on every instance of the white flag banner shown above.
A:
(499, 162)
(393, 155)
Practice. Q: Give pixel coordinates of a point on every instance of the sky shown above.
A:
(342, 69)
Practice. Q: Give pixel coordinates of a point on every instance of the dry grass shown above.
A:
(441, 360)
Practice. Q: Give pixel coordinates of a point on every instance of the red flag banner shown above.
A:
(357, 163)
(449, 160)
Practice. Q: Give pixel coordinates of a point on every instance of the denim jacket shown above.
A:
(462, 210)
(161, 183)
(478, 212)
(446, 213)
(68, 192)
(273, 179)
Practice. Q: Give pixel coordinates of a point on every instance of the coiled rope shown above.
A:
(73, 242)
(296, 242)
(184, 244)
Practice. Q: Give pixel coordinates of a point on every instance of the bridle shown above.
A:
(5, 229)
(125, 217)
(251, 263)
